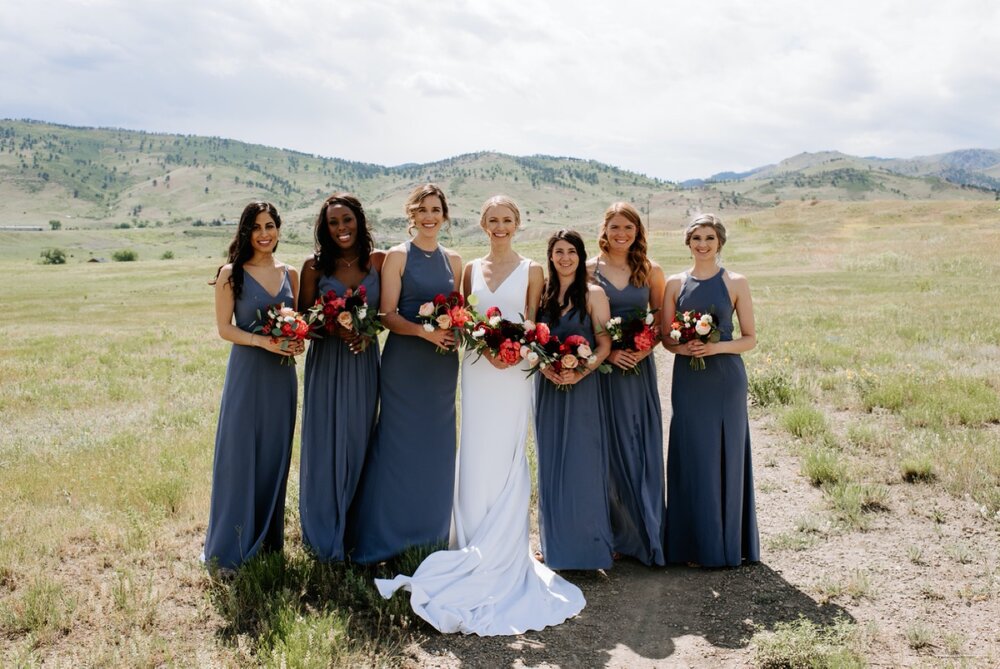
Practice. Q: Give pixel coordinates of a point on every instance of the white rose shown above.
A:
(428, 327)
(362, 313)
(529, 325)
(702, 328)
(584, 350)
(532, 358)
(525, 351)
(649, 319)
(591, 359)
(478, 333)
(426, 309)
(495, 321)
(707, 318)
(675, 335)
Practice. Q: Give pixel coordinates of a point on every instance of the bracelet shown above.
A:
(252, 340)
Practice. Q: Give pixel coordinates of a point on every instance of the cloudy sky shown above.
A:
(672, 89)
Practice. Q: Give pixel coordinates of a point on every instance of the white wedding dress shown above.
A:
(489, 583)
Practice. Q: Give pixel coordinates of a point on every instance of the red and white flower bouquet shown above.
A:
(349, 311)
(447, 312)
(282, 324)
(634, 332)
(691, 325)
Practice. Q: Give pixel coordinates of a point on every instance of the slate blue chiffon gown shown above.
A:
(572, 443)
(404, 498)
(339, 409)
(711, 518)
(253, 442)
(635, 447)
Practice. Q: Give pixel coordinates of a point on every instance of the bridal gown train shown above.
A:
(488, 583)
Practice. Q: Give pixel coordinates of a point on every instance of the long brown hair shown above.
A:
(638, 261)
(240, 249)
(576, 294)
(417, 196)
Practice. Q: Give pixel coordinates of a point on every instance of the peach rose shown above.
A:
(345, 320)
(444, 321)
(569, 361)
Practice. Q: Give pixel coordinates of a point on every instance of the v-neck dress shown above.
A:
(253, 441)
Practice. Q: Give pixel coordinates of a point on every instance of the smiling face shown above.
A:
(704, 243)
(619, 233)
(564, 259)
(342, 226)
(428, 216)
(499, 223)
(264, 233)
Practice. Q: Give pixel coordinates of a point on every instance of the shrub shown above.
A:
(804, 421)
(823, 465)
(167, 255)
(770, 388)
(804, 643)
(125, 255)
(53, 257)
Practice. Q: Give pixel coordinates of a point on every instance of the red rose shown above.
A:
(439, 299)
(493, 311)
(456, 298)
(574, 340)
(542, 333)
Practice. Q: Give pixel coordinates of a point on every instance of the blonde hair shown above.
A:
(638, 261)
(417, 196)
(500, 201)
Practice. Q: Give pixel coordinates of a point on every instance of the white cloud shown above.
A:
(675, 90)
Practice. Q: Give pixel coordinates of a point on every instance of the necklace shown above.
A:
(607, 261)
(347, 263)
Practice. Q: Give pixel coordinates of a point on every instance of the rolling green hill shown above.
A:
(99, 178)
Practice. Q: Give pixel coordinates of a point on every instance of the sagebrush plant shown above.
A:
(805, 644)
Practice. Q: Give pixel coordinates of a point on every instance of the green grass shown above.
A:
(805, 645)
(111, 375)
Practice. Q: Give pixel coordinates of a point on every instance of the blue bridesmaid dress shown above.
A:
(635, 447)
(339, 409)
(572, 443)
(711, 518)
(253, 442)
(404, 498)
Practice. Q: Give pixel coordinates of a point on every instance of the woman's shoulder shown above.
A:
(733, 276)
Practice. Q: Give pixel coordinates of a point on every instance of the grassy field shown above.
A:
(879, 361)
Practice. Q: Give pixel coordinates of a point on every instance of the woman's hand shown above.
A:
(626, 359)
(703, 349)
(494, 360)
(441, 338)
(552, 375)
(285, 347)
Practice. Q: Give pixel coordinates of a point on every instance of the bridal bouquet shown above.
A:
(282, 324)
(504, 339)
(690, 325)
(349, 311)
(447, 312)
(635, 332)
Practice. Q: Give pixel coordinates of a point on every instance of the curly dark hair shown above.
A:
(326, 250)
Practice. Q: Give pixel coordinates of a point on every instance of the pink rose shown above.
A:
(583, 350)
(570, 361)
(542, 333)
(426, 309)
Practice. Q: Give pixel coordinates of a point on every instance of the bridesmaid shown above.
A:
(405, 495)
(570, 427)
(253, 442)
(711, 519)
(632, 401)
(341, 379)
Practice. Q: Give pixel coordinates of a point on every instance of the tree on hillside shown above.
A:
(55, 224)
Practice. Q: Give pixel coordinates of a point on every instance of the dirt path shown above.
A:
(680, 617)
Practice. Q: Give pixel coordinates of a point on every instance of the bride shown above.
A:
(488, 583)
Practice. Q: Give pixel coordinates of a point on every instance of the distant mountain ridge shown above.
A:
(115, 177)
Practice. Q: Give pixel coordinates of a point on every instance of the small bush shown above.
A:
(167, 255)
(770, 388)
(804, 644)
(804, 421)
(53, 257)
(823, 465)
(918, 468)
(125, 255)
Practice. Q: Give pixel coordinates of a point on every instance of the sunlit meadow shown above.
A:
(879, 360)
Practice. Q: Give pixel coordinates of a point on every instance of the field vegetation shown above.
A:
(875, 381)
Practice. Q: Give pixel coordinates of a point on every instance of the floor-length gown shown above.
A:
(489, 584)
(572, 442)
(253, 441)
(404, 498)
(339, 408)
(710, 502)
(635, 446)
